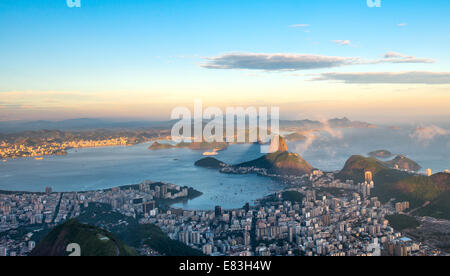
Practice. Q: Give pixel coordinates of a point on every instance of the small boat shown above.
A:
(212, 153)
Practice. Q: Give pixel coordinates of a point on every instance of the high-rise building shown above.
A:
(163, 190)
(48, 190)
(31, 245)
(218, 211)
(247, 207)
(368, 176)
(429, 172)
(207, 249)
(247, 238)
(3, 251)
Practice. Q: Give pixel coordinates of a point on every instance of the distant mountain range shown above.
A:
(92, 123)
(79, 124)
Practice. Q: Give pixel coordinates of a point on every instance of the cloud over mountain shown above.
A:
(428, 133)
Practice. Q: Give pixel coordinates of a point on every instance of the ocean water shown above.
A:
(99, 168)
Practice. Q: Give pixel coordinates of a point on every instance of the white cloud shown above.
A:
(388, 77)
(394, 57)
(342, 42)
(276, 62)
(428, 133)
(402, 24)
(294, 62)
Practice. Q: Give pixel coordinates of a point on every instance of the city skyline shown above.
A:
(135, 59)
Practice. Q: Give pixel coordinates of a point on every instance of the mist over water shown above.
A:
(100, 168)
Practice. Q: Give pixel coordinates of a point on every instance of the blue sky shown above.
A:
(53, 56)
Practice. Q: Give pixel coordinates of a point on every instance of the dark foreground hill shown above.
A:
(92, 240)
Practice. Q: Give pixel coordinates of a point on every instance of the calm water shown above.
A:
(98, 168)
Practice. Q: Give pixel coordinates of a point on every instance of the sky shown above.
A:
(316, 59)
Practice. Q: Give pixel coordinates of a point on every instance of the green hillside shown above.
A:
(402, 186)
(284, 163)
(356, 165)
(93, 241)
(439, 208)
(152, 236)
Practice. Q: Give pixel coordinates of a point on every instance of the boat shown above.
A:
(212, 153)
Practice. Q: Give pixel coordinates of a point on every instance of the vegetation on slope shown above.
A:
(293, 196)
(93, 241)
(284, 163)
(401, 222)
(133, 233)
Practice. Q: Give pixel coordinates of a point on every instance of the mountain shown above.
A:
(333, 123)
(210, 162)
(278, 145)
(158, 146)
(280, 162)
(441, 179)
(357, 165)
(403, 162)
(284, 163)
(93, 241)
(392, 183)
(294, 137)
(346, 123)
(80, 124)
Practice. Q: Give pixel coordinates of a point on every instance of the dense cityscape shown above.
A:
(301, 220)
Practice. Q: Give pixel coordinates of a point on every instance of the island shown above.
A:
(380, 154)
(402, 162)
(211, 163)
(296, 136)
